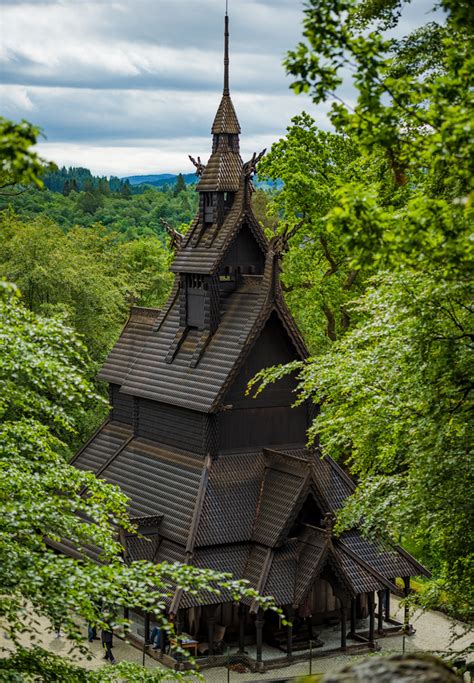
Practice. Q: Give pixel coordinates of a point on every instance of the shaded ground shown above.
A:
(433, 634)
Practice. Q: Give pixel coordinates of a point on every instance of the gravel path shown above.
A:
(434, 633)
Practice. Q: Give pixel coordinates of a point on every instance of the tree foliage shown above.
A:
(396, 389)
(42, 395)
(318, 274)
(139, 215)
(19, 163)
(88, 274)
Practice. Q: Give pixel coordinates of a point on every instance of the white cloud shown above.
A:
(130, 86)
(15, 99)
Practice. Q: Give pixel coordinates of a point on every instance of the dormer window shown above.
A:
(196, 291)
(228, 199)
(209, 207)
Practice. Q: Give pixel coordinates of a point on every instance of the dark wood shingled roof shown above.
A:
(107, 441)
(158, 481)
(204, 252)
(201, 388)
(231, 499)
(226, 120)
(282, 488)
(222, 172)
(138, 328)
(232, 513)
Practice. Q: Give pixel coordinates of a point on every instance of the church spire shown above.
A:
(226, 54)
(226, 120)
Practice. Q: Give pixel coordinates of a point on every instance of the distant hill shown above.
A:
(160, 179)
(163, 179)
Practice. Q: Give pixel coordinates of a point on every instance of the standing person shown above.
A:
(107, 637)
(57, 628)
(91, 633)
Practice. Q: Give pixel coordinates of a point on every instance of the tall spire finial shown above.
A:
(226, 51)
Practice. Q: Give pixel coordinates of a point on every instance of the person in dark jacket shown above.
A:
(107, 637)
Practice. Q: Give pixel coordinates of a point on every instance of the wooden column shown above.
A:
(259, 622)
(381, 598)
(289, 632)
(371, 600)
(406, 611)
(178, 624)
(387, 604)
(353, 618)
(147, 627)
(164, 637)
(211, 622)
(343, 626)
(241, 649)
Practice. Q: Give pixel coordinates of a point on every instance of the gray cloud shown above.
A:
(130, 85)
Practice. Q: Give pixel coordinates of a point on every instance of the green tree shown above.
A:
(42, 395)
(318, 275)
(89, 202)
(86, 274)
(180, 185)
(395, 390)
(125, 191)
(19, 163)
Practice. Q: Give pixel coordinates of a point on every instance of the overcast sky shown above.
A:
(131, 86)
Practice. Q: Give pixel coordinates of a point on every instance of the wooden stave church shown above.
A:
(217, 478)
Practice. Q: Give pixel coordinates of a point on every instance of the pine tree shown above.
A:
(88, 186)
(66, 188)
(125, 191)
(180, 185)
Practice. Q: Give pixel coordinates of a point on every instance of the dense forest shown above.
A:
(91, 200)
(378, 274)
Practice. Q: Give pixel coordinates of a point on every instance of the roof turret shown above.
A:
(226, 120)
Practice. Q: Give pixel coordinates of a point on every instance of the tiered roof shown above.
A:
(240, 512)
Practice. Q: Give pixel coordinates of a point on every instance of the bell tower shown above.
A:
(220, 179)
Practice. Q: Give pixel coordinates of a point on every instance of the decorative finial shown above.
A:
(329, 522)
(226, 52)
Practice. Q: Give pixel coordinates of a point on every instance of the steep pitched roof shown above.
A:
(231, 499)
(159, 481)
(222, 173)
(202, 388)
(137, 330)
(282, 487)
(226, 120)
(203, 251)
(107, 441)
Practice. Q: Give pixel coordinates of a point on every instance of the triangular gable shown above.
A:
(281, 493)
(203, 252)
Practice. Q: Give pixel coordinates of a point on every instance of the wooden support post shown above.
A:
(406, 611)
(259, 622)
(164, 638)
(371, 600)
(353, 618)
(211, 622)
(387, 604)
(178, 624)
(147, 627)
(381, 599)
(343, 626)
(289, 632)
(241, 649)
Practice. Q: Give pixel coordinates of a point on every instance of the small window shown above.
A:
(196, 289)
